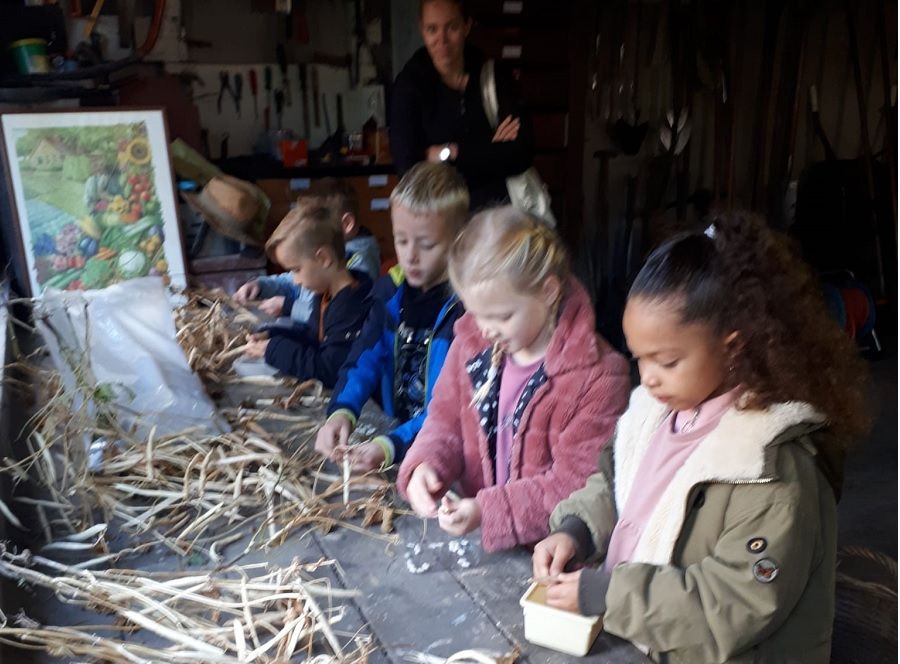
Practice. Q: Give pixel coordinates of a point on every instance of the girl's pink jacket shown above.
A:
(559, 438)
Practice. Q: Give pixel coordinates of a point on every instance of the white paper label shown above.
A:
(511, 52)
(299, 183)
(378, 181)
(381, 204)
(513, 7)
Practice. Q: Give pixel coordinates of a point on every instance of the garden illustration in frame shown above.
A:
(94, 197)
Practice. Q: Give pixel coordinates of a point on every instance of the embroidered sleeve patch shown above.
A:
(765, 570)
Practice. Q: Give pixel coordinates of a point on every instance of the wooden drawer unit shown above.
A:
(373, 195)
(522, 45)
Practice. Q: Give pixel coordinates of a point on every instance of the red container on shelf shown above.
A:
(293, 153)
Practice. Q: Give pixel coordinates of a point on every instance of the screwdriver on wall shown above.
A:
(282, 65)
(254, 90)
(238, 92)
(279, 105)
(267, 75)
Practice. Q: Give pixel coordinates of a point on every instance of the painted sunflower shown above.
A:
(138, 151)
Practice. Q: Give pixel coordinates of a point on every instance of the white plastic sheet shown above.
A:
(122, 340)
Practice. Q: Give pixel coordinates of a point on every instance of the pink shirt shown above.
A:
(513, 379)
(674, 441)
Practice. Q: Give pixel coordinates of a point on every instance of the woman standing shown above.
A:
(438, 113)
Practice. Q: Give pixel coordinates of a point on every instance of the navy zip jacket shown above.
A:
(369, 371)
(298, 351)
(425, 112)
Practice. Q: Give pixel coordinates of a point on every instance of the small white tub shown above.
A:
(571, 633)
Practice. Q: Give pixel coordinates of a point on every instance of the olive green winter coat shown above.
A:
(737, 562)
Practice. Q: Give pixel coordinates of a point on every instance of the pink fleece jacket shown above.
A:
(562, 430)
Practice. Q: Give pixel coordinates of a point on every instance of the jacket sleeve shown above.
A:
(594, 506)
(439, 442)
(717, 608)
(277, 284)
(484, 162)
(361, 374)
(367, 260)
(518, 512)
(299, 353)
(407, 143)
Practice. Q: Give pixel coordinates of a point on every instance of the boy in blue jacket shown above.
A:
(399, 362)
(278, 293)
(310, 244)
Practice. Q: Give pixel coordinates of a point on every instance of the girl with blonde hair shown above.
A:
(528, 395)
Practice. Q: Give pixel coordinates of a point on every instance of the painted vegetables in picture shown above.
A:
(94, 198)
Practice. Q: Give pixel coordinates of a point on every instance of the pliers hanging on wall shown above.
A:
(225, 85)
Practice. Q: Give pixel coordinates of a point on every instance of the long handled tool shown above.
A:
(282, 65)
(254, 90)
(866, 146)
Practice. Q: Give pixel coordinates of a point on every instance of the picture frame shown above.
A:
(93, 197)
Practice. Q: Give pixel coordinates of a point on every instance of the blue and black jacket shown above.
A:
(369, 371)
(306, 351)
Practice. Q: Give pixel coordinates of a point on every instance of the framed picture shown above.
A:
(93, 197)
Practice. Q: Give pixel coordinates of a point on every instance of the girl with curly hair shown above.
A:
(713, 510)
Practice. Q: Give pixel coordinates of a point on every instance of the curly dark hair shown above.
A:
(747, 278)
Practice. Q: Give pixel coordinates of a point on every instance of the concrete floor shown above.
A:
(867, 513)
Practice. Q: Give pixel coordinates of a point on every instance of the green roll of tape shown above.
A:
(30, 56)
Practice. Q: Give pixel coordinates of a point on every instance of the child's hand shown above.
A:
(551, 555)
(256, 345)
(423, 489)
(334, 433)
(363, 458)
(563, 593)
(459, 517)
(272, 306)
(247, 292)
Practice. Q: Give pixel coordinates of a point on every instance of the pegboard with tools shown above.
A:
(241, 119)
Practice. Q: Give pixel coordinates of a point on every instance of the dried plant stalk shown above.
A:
(209, 617)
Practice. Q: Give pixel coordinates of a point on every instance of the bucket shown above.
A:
(30, 56)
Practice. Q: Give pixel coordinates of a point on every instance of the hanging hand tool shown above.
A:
(279, 105)
(224, 86)
(238, 92)
(317, 120)
(254, 90)
(282, 65)
(267, 82)
(304, 100)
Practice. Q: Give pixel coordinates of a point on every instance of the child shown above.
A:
(529, 392)
(309, 242)
(282, 297)
(400, 364)
(714, 509)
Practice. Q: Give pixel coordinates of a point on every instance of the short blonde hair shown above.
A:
(506, 243)
(307, 228)
(429, 188)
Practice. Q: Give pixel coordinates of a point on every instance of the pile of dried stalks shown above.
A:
(193, 490)
(188, 491)
(251, 613)
(101, 493)
(212, 329)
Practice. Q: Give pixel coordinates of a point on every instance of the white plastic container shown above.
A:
(571, 633)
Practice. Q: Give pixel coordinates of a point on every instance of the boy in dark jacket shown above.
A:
(399, 362)
(310, 244)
